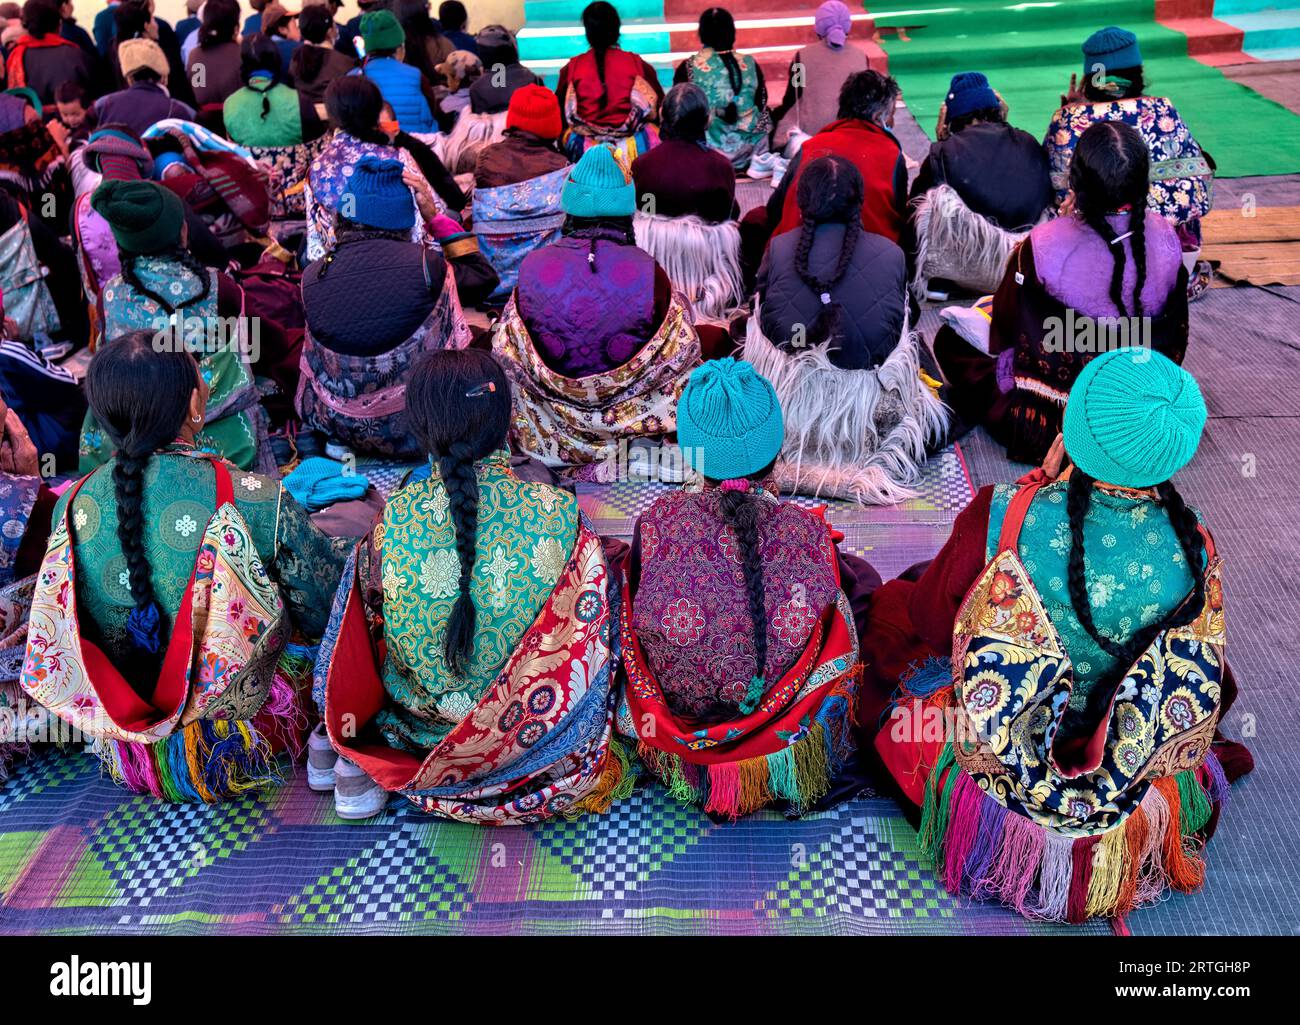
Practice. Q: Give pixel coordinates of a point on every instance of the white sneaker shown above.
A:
(337, 451)
(356, 795)
(761, 165)
(321, 759)
(782, 165)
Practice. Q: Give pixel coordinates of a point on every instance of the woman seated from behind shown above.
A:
(214, 65)
(686, 198)
(470, 655)
(607, 95)
(517, 186)
(982, 186)
(317, 63)
(375, 302)
(1114, 89)
(830, 331)
(1072, 289)
(595, 339)
(354, 104)
(161, 288)
(739, 637)
(169, 591)
(1063, 759)
(734, 87)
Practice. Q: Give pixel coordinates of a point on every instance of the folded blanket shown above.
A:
(318, 482)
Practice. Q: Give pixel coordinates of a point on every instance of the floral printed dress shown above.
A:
(1181, 178)
(410, 580)
(179, 497)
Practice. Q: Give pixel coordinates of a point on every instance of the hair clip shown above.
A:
(479, 390)
(734, 484)
(1120, 238)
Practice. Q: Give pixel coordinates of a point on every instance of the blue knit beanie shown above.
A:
(597, 187)
(968, 92)
(729, 420)
(380, 199)
(1113, 48)
(1134, 418)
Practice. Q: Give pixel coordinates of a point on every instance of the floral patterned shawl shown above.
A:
(1181, 179)
(534, 742)
(513, 220)
(574, 421)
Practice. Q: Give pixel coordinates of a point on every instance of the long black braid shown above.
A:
(830, 191)
(1109, 172)
(456, 466)
(1078, 501)
(740, 510)
(140, 396)
(458, 407)
(602, 25)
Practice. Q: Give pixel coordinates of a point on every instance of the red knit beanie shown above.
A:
(535, 109)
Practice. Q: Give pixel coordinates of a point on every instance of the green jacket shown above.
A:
(245, 123)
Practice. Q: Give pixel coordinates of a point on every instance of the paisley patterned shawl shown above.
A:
(219, 662)
(513, 220)
(362, 399)
(574, 421)
(537, 742)
(1013, 681)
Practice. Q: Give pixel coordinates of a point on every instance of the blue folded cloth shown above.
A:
(319, 482)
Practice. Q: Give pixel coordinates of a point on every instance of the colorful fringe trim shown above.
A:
(617, 781)
(211, 760)
(800, 774)
(981, 849)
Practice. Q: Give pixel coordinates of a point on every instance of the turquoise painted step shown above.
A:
(1268, 28)
(1222, 7)
(571, 10)
(570, 44)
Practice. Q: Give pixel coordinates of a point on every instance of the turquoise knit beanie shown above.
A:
(729, 420)
(597, 187)
(1134, 418)
(1113, 48)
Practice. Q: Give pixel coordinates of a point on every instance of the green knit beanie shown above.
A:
(1134, 418)
(597, 187)
(145, 217)
(729, 420)
(380, 31)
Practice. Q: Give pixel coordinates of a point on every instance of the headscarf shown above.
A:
(833, 22)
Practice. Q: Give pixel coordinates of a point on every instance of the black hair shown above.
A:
(992, 115)
(458, 408)
(602, 25)
(41, 18)
(453, 15)
(70, 91)
(830, 191)
(220, 23)
(718, 32)
(685, 113)
(596, 228)
(145, 75)
(741, 511)
(866, 95)
(354, 104)
(314, 23)
(1078, 499)
(1136, 87)
(131, 18)
(419, 28)
(1109, 170)
(258, 55)
(140, 395)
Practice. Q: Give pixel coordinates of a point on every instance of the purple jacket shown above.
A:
(588, 317)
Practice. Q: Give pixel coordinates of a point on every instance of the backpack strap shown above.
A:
(1015, 517)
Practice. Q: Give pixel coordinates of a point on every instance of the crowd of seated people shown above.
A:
(243, 259)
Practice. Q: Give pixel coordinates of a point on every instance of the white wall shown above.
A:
(509, 13)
